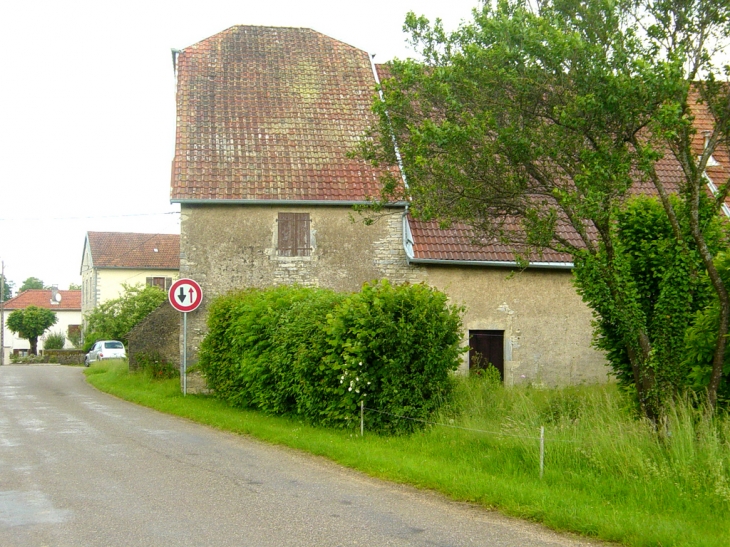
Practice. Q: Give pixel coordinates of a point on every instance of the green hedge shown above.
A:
(316, 353)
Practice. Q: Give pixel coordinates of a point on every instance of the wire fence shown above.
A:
(541, 437)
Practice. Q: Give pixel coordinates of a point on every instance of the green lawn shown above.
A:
(607, 475)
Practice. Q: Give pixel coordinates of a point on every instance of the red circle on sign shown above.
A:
(185, 295)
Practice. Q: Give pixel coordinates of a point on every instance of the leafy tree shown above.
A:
(533, 124)
(7, 293)
(74, 287)
(114, 319)
(30, 323)
(55, 340)
(31, 283)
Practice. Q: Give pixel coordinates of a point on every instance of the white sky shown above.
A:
(87, 108)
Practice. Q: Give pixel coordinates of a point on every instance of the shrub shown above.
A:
(113, 319)
(318, 354)
(156, 366)
(55, 340)
(393, 347)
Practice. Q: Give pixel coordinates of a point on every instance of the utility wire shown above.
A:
(90, 217)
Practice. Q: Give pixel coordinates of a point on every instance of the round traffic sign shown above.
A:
(185, 295)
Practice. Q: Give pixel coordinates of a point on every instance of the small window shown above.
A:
(293, 237)
(160, 282)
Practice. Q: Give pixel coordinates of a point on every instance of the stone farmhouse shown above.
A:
(66, 305)
(265, 119)
(113, 259)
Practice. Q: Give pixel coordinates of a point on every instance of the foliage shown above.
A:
(393, 347)
(75, 336)
(74, 287)
(54, 340)
(318, 354)
(113, 319)
(31, 283)
(667, 281)
(7, 292)
(30, 323)
(533, 123)
(156, 366)
(701, 340)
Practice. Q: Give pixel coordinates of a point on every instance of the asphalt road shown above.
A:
(81, 468)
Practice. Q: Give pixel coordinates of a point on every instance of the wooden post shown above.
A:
(542, 450)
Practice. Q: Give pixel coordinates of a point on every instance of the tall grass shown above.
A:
(658, 478)
(608, 474)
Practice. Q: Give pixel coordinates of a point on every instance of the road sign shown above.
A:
(185, 295)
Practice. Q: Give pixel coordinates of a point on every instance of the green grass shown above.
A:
(607, 474)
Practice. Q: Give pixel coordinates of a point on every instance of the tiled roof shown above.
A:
(41, 298)
(268, 113)
(703, 122)
(457, 243)
(131, 250)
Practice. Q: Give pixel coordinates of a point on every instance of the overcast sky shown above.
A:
(87, 109)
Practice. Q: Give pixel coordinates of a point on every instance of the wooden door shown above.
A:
(486, 347)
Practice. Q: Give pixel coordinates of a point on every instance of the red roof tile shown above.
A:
(41, 298)
(458, 243)
(131, 250)
(720, 171)
(267, 113)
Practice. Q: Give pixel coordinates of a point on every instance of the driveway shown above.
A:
(82, 468)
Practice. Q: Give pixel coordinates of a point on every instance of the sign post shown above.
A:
(185, 295)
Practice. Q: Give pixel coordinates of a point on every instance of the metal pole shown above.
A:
(362, 418)
(2, 313)
(185, 354)
(542, 449)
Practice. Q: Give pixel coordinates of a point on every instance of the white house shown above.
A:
(113, 259)
(67, 305)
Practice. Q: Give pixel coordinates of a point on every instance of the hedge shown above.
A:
(317, 354)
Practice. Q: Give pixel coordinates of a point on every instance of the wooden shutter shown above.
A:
(293, 237)
(286, 233)
(302, 234)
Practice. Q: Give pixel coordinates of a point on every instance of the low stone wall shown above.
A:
(157, 334)
(64, 356)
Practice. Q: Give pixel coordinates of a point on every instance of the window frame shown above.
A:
(294, 238)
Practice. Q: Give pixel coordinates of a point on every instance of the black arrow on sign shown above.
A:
(181, 295)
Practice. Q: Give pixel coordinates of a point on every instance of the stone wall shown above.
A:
(547, 328)
(229, 247)
(158, 333)
(65, 356)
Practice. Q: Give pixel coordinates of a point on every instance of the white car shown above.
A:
(105, 349)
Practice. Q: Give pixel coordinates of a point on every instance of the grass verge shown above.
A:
(607, 475)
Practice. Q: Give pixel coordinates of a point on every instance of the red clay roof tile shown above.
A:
(271, 113)
(132, 250)
(41, 298)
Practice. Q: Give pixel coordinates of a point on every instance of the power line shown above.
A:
(90, 217)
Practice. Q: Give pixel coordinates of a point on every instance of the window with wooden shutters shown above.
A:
(293, 237)
(156, 282)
